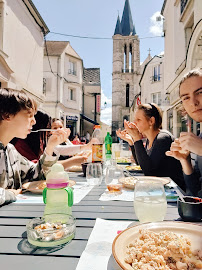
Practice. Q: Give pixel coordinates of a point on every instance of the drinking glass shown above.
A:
(117, 150)
(94, 174)
(150, 201)
(113, 174)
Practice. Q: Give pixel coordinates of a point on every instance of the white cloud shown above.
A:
(106, 111)
(156, 27)
(161, 53)
(106, 116)
(106, 99)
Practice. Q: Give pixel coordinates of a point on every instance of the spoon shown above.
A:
(43, 129)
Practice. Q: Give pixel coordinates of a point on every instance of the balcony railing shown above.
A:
(183, 5)
(125, 70)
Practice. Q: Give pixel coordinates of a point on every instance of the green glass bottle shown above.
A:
(108, 146)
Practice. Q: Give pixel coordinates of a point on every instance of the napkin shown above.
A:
(98, 252)
(80, 191)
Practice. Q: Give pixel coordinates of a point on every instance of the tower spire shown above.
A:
(127, 22)
(118, 30)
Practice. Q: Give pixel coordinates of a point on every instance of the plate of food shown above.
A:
(38, 186)
(133, 168)
(75, 168)
(130, 181)
(161, 245)
(123, 161)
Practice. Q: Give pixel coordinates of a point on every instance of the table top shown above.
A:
(16, 252)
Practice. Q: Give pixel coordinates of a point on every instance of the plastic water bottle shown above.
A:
(97, 145)
(58, 197)
(108, 146)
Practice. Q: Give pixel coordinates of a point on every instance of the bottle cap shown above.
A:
(57, 177)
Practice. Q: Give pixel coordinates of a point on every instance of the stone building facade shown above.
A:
(126, 68)
(63, 78)
(91, 99)
(182, 52)
(22, 31)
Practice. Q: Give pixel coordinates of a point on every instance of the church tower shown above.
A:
(126, 68)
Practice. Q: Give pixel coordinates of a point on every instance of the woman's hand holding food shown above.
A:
(132, 130)
(124, 136)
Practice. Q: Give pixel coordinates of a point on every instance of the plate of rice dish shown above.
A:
(159, 246)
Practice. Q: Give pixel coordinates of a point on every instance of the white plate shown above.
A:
(38, 186)
(189, 230)
(129, 183)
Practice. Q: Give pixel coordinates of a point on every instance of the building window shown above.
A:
(72, 68)
(156, 74)
(127, 94)
(130, 59)
(72, 94)
(156, 98)
(183, 5)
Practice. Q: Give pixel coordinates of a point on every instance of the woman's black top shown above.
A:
(154, 161)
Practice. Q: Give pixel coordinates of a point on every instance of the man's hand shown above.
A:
(182, 155)
(177, 152)
(190, 142)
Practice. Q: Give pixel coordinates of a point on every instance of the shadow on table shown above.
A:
(26, 248)
(112, 264)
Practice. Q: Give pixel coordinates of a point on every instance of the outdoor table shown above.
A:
(16, 253)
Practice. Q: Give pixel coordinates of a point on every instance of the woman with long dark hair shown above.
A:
(151, 158)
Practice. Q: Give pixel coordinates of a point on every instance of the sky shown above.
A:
(97, 18)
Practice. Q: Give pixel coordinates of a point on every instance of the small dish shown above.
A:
(190, 209)
(51, 230)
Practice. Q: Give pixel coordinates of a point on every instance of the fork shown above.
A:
(43, 129)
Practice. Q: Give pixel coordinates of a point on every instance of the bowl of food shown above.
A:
(190, 209)
(123, 161)
(133, 168)
(51, 230)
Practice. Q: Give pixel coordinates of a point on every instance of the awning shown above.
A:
(88, 119)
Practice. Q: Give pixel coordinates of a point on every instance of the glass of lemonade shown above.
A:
(117, 150)
(150, 201)
(113, 174)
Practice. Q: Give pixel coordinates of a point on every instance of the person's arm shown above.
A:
(134, 154)
(193, 182)
(150, 164)
(73, 161)
(6, 196)
(69, 150)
